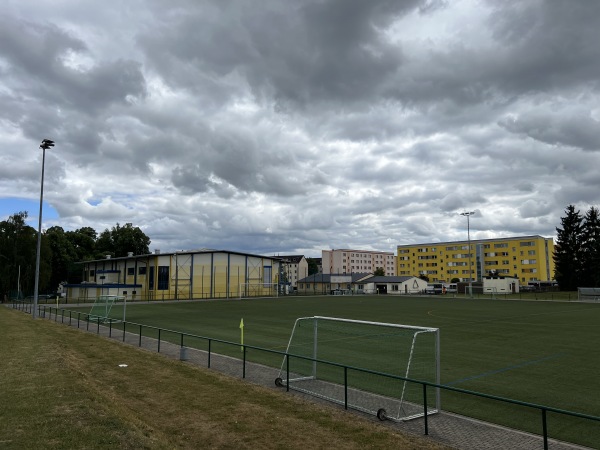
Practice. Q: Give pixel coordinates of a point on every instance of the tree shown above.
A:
(424, 277)
(379, 272)
(18, 247)
(121, 240)
(568, 251)
(313, 266)
(63, 255)
(590, 255)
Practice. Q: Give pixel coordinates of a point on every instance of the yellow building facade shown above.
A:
(527, 258)
(178, 276)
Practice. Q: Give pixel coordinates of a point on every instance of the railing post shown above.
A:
(124, 325)
(110, 328)
(425, 409)
(545, 428)
(287, 370)
(244, 363)
(78, 318)
(345, 387)
(98, 325)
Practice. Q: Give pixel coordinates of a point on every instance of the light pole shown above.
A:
(468, 214)
(45, 145)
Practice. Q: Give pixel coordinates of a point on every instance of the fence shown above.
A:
(220, 355)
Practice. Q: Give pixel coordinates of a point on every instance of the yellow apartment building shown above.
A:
(527, 258)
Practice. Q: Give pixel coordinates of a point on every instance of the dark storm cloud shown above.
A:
(298, 53)
(576, 129)
(37, 55)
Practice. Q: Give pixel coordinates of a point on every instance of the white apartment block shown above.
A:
(357, 261)
(295, 267)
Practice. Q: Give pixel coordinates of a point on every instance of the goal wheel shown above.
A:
(381, 414)
(278, 382)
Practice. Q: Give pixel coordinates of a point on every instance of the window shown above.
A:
(92, 273)
(501, 245)
(131, 271)
(151, 278)
(142, 270)
(527, 244)
(163, 278)
(267, 275)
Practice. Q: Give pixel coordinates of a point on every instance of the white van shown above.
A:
(451, 288)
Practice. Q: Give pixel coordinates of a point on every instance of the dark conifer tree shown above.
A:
(568, 250)
(590, 257)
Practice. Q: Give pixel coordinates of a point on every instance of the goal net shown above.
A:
(325, 353)
(101, 308)
(259, 290)
(588, 294)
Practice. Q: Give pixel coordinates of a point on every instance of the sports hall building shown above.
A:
(193, 274)
(527, 258)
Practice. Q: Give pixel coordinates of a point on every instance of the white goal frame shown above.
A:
(258, 289)
(399, 408)
(585, 294)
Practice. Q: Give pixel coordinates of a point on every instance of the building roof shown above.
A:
(294, 259)
(514, 238)
(357, 251)
(181, 252)
(326, 277)
(391, 279)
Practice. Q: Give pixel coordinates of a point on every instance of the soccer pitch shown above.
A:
(540, 352)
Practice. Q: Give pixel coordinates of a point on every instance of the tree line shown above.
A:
(577, 249)
(60, 251)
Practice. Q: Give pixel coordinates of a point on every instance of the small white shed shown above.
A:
(500, 285)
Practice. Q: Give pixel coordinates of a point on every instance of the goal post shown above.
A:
(364, 365)
(259, 290)
(102, 306)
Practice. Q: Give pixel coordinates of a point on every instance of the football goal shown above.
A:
(588, 294)
(324, 355)
(259, 290)
(101, 308)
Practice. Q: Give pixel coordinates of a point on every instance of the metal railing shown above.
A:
(136, 330)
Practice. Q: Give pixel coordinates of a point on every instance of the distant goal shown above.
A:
(101, 308)
(248, 290)
(320, 347)
(588, 294)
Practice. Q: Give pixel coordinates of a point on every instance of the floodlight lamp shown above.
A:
(46, 144)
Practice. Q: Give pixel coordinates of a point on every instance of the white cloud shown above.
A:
(302, 126)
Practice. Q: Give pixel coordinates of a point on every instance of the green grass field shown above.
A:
(540, 352)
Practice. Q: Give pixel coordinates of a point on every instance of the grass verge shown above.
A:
(62, 388)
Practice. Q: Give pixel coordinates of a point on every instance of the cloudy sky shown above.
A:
(279, 126)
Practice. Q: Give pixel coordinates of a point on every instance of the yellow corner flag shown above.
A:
(242, 334)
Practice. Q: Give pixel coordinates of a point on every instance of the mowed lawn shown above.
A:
(540, 352)
(62, 388)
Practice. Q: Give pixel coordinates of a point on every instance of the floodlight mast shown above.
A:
(45, 145)
(468, 214)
